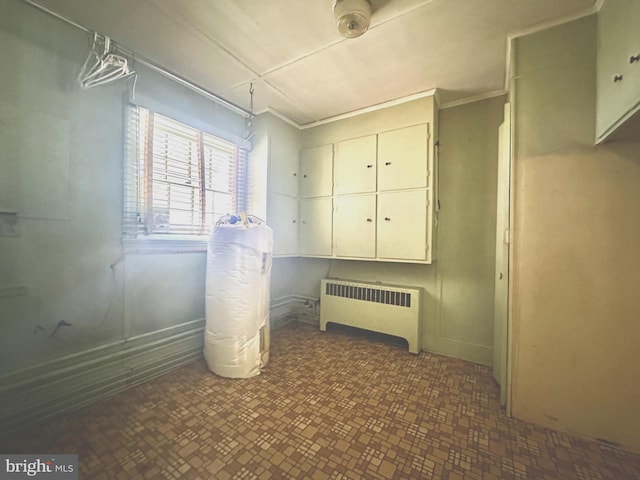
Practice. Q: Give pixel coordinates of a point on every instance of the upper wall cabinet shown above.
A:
(618, 77)
(371, 194)
(375, 216)
(283, 218)
(403, 159)
(316, 172)
(282, 152)
(354, 226)
(403, 225)
(355, 166)
(283, 175)
(315, 227)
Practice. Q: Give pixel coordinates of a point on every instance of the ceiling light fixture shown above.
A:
(352, 17)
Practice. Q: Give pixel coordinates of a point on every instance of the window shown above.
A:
(178, 180)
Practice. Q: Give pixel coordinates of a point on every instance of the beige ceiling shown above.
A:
(302, 68)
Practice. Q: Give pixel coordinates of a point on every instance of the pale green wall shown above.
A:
(63, 148)
(69, 264)
(458, 312)
(575, 265)
(466, 240)
(576, 262)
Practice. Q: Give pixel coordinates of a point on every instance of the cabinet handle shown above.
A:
(304, 222)
(617, 78)
(294, 221)
(387, 163)
(387, 219)
(305, 175)
(369, 220)
(295, 174)
(634, 58)
(369, 166)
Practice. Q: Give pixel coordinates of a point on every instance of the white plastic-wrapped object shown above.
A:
(236, 340)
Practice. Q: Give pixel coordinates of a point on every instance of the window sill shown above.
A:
(162, 244)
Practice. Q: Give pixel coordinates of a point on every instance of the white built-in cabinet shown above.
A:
(316, 172)
(284, 166)
(316, 203)
(403, 159)
(402, 225)
(369, 198)
(315, 228)
(283, 219)
(282, 213)
(354, 226)
(355, 166)
(618, 69)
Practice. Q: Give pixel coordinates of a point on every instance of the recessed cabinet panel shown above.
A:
(315, 226)
(283, 218)
(283, 175)
(618, 71)
(354, 226)
(354, 168)
(403, 158)
(316, 172)
(402, 225)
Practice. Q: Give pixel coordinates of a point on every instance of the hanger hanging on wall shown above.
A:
(103, 66)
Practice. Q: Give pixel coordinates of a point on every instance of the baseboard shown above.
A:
(280, 312)
(35, 394)
(455, 348)
(294, 308)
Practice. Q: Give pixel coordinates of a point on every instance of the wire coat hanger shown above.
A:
(103, 67)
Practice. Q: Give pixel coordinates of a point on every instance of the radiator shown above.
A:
(389, 309)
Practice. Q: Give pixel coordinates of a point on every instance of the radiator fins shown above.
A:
(366, 294)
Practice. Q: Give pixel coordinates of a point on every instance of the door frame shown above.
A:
(504, 222)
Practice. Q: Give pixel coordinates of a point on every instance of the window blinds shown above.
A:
(178, 179)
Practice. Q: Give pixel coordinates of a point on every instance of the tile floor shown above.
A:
(337, 405)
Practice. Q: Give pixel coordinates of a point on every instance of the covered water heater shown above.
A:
(238, 276)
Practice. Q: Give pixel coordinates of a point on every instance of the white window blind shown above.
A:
(178, 180)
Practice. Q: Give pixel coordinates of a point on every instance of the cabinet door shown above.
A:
(283, 173)
(283, 219)
(403, 158)
(314, 230)
(402, 225)
(354, 168)
(618, 77)
(316, 171)
(354, 226)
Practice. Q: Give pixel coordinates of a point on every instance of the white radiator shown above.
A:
(389, 309)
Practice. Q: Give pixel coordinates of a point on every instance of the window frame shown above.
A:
(136, 237)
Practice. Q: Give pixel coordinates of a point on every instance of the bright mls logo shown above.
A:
(53, 467)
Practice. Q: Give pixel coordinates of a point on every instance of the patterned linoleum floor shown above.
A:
(336, 405)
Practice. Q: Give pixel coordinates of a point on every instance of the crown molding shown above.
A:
(372, 108)
(476, 98)
(354, 113)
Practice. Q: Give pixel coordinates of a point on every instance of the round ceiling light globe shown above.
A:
(352, 17)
